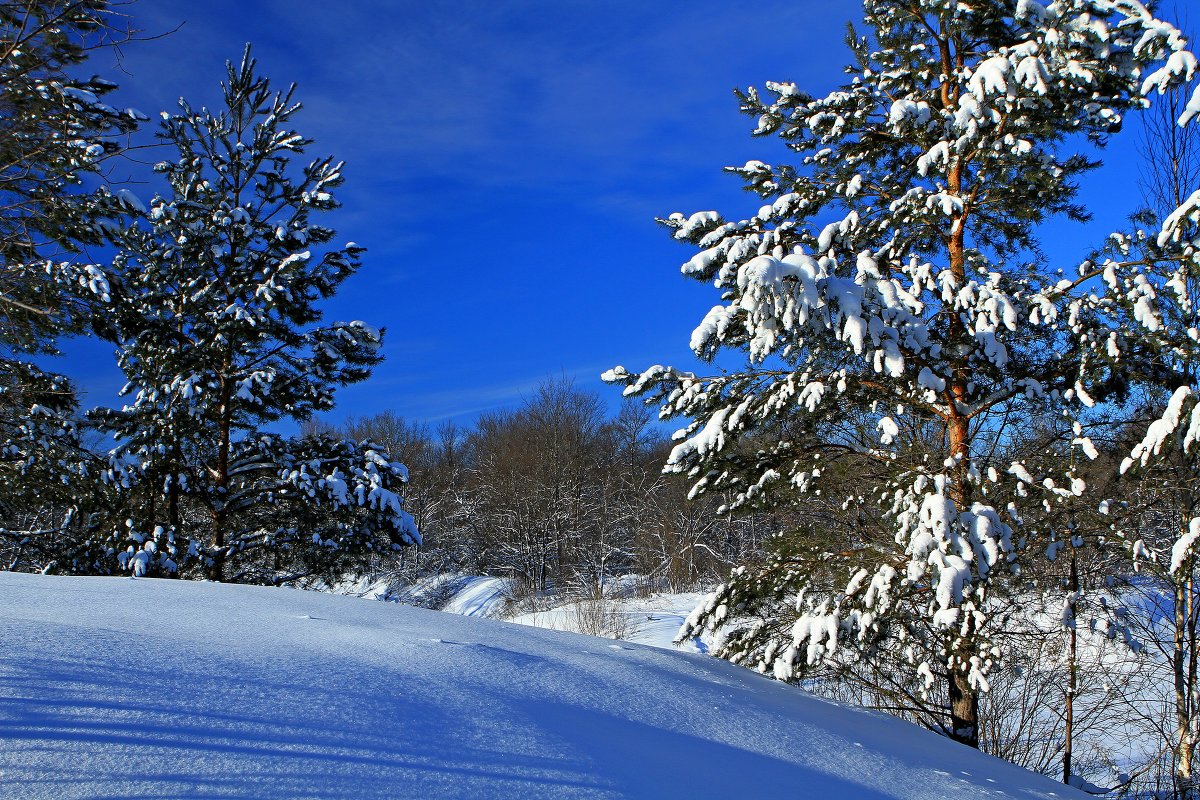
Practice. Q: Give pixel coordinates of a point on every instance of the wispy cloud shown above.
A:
(499, 93)
(505, 162)
(409, 394)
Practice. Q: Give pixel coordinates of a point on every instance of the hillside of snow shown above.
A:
(624, 612)
(120, 688)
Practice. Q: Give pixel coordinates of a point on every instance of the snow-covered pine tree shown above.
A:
(216, 303)
(895, 318)
(55, 130)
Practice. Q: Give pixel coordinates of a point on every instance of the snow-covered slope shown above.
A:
(653, 620)
(125, 688)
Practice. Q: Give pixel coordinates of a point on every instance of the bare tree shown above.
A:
(1170, 166)
(1169, 492)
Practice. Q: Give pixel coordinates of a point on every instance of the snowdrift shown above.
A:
(126, 688)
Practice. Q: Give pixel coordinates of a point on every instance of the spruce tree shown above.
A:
(893, 315)
(216, 306)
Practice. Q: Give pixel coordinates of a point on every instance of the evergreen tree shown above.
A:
(55, 131)
(216, 307)
(892, 308)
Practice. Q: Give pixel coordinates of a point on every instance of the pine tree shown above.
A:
(55, 131)
(216, 305)
(895, 317)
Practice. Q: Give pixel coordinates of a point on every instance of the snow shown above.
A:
(114, 687)
(480, 597)
(1160, 430)
(132, 200)
(904, 110)
(888, 430)
(990, 78)
(1192, 109)
(927, 379)
(653, 621)
(1184, 548)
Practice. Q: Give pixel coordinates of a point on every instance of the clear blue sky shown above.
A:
(505, 162)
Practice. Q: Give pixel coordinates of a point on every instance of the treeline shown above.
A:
(557, 494)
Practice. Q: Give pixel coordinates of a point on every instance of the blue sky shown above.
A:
(505, 162)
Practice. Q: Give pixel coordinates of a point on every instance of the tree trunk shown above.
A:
(1185, 727)
(964, 711)
(964, 699)
(1072, 674)
(173, 491)
(216, 571)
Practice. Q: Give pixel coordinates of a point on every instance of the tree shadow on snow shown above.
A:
(651, 762)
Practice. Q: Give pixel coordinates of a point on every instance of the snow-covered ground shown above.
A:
(622, 614)
(145, 688)
(653, 620)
